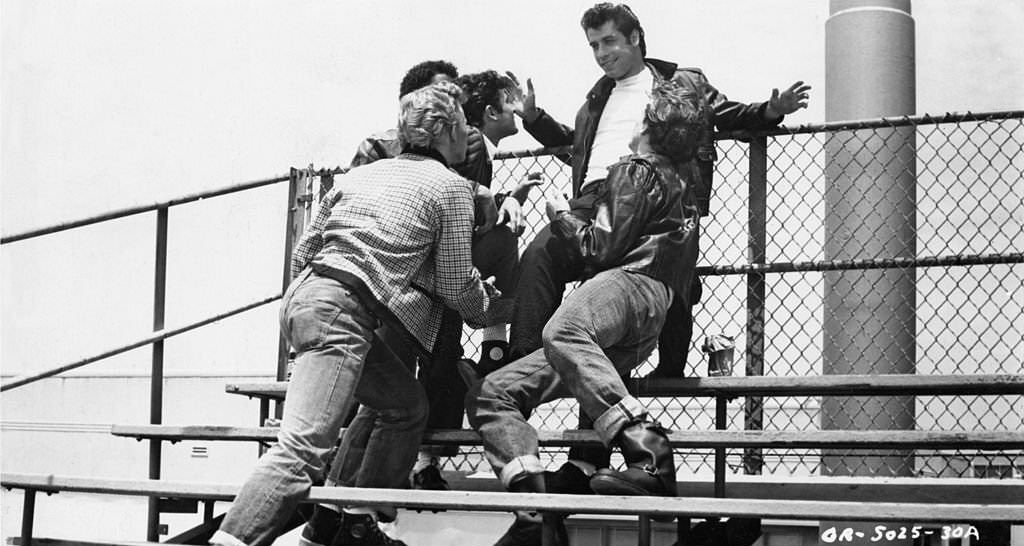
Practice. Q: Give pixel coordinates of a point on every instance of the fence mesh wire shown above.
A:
(938, 189)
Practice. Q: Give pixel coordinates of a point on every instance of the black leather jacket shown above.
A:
(724, 114)
(645, 220)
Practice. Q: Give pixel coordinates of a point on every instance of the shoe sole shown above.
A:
(610, 485)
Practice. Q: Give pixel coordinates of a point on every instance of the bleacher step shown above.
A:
(44, 541)
(838, 385)
(834, 439)
(835, 510)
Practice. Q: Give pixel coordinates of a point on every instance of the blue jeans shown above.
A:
(605, 328)
(332, 333)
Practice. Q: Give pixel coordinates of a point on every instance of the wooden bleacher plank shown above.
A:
(835, 510)
(834, 439)
(839, 385)
(824, 488)
(44, 541)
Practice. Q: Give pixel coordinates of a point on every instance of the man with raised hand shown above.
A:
(599, 137)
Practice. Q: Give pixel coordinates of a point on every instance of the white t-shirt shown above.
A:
(625, 108)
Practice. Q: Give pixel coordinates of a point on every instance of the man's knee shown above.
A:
(488, 397)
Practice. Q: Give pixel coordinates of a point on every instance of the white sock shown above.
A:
(362, 510)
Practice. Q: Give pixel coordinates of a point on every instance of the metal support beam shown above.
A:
(156, 385)
(28, 516)
(757, 212)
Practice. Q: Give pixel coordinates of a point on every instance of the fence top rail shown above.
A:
(583, 504)
(817, 385)
(874, 123)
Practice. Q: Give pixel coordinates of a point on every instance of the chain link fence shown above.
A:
(882, 246)
(921, 219)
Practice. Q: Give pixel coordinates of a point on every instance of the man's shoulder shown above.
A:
(380, 145)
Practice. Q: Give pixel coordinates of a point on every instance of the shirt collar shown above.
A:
(425, 152)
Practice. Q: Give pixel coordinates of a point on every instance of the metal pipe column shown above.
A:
(870, 212)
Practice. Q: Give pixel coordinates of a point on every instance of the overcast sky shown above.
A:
(113, 103)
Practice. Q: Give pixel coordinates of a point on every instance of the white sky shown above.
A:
(114, 103)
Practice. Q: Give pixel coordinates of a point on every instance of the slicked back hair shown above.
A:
(625, 20)
(481, 90)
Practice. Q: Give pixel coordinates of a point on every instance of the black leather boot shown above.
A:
(650, 469)
(529, 527)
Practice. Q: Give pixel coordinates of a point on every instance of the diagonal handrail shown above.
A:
(130, 211)
(157, 336)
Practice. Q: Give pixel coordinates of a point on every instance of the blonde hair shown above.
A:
(428, 114)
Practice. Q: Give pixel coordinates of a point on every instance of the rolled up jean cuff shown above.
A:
(519, 467)
(220, 538)
(610, 423)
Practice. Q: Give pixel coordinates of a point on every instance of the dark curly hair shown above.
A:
(625, 20)
(422, 74)
(481, 90)
(675, 121)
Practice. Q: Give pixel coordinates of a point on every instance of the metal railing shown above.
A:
(160, 332)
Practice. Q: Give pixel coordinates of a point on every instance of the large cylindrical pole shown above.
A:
(870, 212)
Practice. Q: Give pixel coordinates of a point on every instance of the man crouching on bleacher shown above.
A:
(639, 249)
(391, 244)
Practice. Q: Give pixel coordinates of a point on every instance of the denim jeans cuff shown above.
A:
(220, 538)
(519, 467)
(625, 411)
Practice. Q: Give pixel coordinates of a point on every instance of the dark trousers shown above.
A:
(496, 254)
(544, 271)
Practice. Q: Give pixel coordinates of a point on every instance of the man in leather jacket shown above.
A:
(636, 250)
(598, 137)
(617, 40)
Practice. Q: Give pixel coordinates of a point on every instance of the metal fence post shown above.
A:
(156, 385)
(757, 212)
(293, 230)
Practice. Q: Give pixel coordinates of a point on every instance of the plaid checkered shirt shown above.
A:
(403, 228)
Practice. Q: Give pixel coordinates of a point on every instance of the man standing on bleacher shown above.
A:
(390, 246)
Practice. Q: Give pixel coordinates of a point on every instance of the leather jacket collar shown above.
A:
(604, 85)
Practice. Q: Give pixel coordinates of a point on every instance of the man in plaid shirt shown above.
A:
(394, 248)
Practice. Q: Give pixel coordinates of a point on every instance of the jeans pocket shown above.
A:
(313, 308)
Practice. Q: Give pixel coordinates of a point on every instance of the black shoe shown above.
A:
(529, 531)
(650, 469)
(320, 527)
(568, 480)
(430, 479)
(362, 530)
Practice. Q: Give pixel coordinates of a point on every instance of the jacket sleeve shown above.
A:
(458, 283)
(549, 132)
(619, 219)
(477, 168)
(730, 115)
